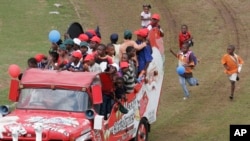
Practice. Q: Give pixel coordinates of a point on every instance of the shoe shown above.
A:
(197, 84)
(185, 98)
(231, 97)
(237, 78)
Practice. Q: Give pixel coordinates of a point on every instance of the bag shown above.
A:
(194, 58)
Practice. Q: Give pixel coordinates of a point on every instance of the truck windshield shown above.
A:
(63, 100)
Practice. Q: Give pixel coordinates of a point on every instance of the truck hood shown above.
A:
(61, 125)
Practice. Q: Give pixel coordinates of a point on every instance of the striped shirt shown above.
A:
(129, 80)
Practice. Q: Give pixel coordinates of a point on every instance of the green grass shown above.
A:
(24, 28)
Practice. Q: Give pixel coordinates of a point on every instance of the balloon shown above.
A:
(180, 70)
(54, 36)
(14, 70)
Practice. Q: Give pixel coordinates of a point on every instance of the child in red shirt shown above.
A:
(185, 36)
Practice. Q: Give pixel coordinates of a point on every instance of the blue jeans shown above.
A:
(191, 81)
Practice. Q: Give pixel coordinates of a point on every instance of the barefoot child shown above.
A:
(232, 64)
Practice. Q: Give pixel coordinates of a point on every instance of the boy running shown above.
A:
(188, 62)
(232, 64)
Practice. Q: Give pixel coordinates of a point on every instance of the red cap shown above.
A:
(143, 32)
(124, 64)
(77, 54)
(156, 16)
(92, 31)
(96, 39)
(83, 37)
(39, 57)
(89, 57)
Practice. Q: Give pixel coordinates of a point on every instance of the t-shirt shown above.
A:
(183, 38)
(78, 66)
(232, 62)
(144, 56)
(145, 23)
(183, 59)
(129, 80)
(95, 68)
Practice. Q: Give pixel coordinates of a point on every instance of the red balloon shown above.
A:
(14, 70)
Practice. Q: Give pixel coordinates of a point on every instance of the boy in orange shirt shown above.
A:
(232, 64)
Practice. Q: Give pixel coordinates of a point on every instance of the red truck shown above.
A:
(61, 106)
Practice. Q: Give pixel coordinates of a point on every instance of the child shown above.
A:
(144, 56)
(120, 89)
(84, 47)
(75, 65)
(131, 53)
(53, 61)
(102, 57)
(69, 43)
(32, 62)
(188, 63)
(42, 60)
(110, 51)
(185, 36)
(155, 24)
(128, 77)
(145, 15)
(114, 38)
(232, 64)
(90, 65)
(63, 58)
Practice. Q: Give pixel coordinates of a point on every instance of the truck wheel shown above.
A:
(142, 132)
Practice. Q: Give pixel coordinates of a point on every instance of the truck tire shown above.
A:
(142, 132)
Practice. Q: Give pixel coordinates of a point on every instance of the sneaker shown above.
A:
(185, 98)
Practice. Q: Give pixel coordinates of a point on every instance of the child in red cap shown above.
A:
(75, 64)
(90, 65)
(155, 24)
(128, 76)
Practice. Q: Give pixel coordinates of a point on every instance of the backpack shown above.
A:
(193, 57)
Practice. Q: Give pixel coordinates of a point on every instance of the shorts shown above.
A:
(232, 77)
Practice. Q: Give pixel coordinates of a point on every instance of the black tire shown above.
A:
(142, 132)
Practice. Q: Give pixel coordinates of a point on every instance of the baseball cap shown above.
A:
(127, 34)
(115, 65)
(143, 32)
(77, 54)
(83, 37)
(89, 57)
(114, 36)
(124, 65)
(84, 44)
(68, 41)
(96, 39)
(62, 47)
(156, 16)
(92, 31)
(77, 41)
(39, 57)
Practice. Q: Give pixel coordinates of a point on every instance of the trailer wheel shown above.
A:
(142, 132)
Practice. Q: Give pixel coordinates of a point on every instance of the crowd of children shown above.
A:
(125, 62)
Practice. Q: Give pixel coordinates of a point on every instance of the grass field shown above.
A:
(206, 116)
